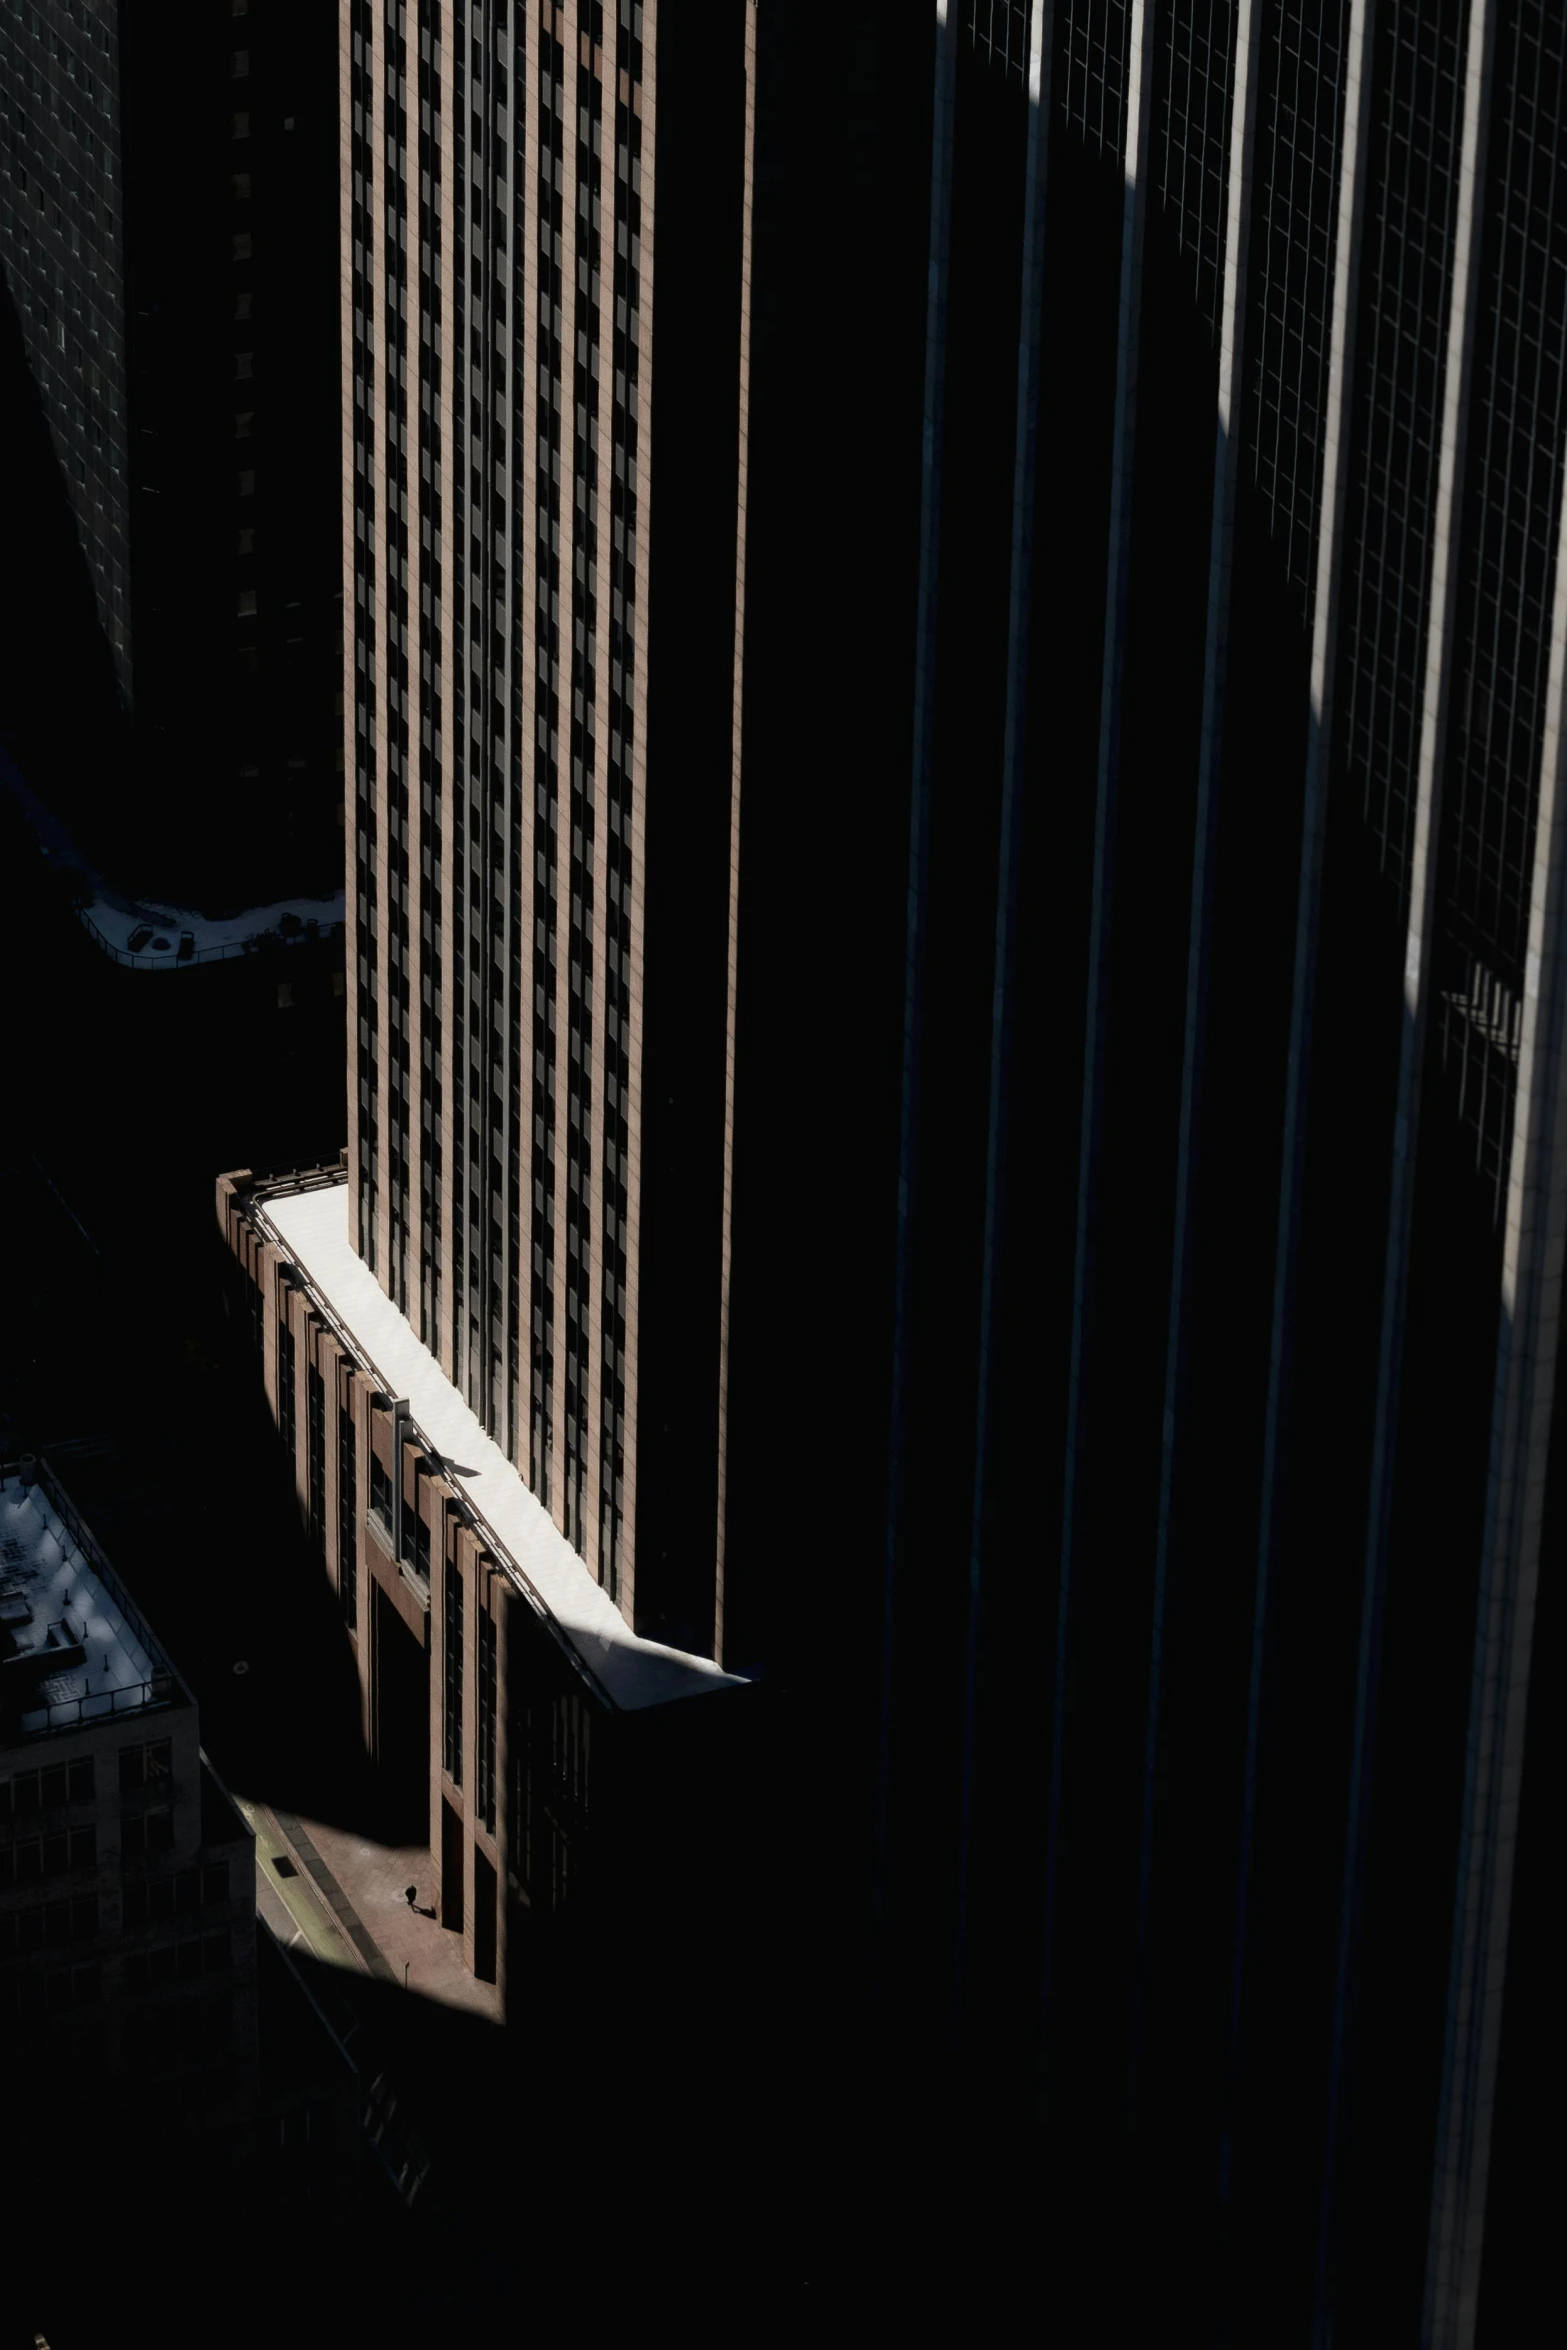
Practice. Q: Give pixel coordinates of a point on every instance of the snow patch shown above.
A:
(311, 1227)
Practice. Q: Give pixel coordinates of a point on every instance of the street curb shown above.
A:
(332, 1893)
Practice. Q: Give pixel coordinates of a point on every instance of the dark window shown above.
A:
(1300, 113)
(999, 30)
(454, 1638)
(285, 1388)
(1489, 801)
(1191, 134)
(54, 1786)
(82, 1788)
(1394, 446)
(486, 1727)
(380, 1491)
(1091, 69)
(316, 1433)
(347, 1518)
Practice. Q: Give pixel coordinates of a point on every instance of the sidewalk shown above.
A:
(371, 1881)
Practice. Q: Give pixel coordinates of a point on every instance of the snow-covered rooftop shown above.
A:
(65, 1638)
(150, 935)
(311, 1227)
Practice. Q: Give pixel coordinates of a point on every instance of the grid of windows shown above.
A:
(286, 1375)
(566, 1797)
(452, 1632)
(546, 773)
(362, 148)
(1300, 113)
(49, 1925)
(999, 30)
(514, 1063)
(584, 665)
(33, 1858)
(154, 1900)
(431, 585)
(416, 1541)
(467, 883)
(1193, 82)
(380, 1492)
(46, 1789)
(515, 682)
(395, 990)
(1511, 507)
(484, 1743)
(549, 1789)
(315, 1440)
(619, 858)
(1091, 70)
(1405, 298)
(60, 245)
(347, 1514)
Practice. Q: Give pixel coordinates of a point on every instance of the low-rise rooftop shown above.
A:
(309, 1223)
(72, 1649)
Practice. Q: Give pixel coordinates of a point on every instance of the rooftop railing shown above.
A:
(260, 942)
(74, 1713)
(160, 1687)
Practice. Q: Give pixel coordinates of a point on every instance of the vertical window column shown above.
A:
(452, 1638)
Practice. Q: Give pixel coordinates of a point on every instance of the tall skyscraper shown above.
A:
(1229, 1265)
(544, 711)
(162, 175)
(956, 1007)
(495, 1341)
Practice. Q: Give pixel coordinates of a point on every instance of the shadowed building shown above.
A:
(127, 1877)
(1232, 1160)
(1131, 970)
(172, 303)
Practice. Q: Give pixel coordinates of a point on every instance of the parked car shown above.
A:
(140, 939)
(187, 953)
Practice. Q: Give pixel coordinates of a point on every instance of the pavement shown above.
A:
(344, 1897)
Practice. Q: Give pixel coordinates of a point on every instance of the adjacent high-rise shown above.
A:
(162, 175)
(957, 990)
(1232, 1169)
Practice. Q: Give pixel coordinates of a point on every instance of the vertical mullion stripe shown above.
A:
(731, 982)
(1024, 492)
(1139, 120)
(944, 63)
